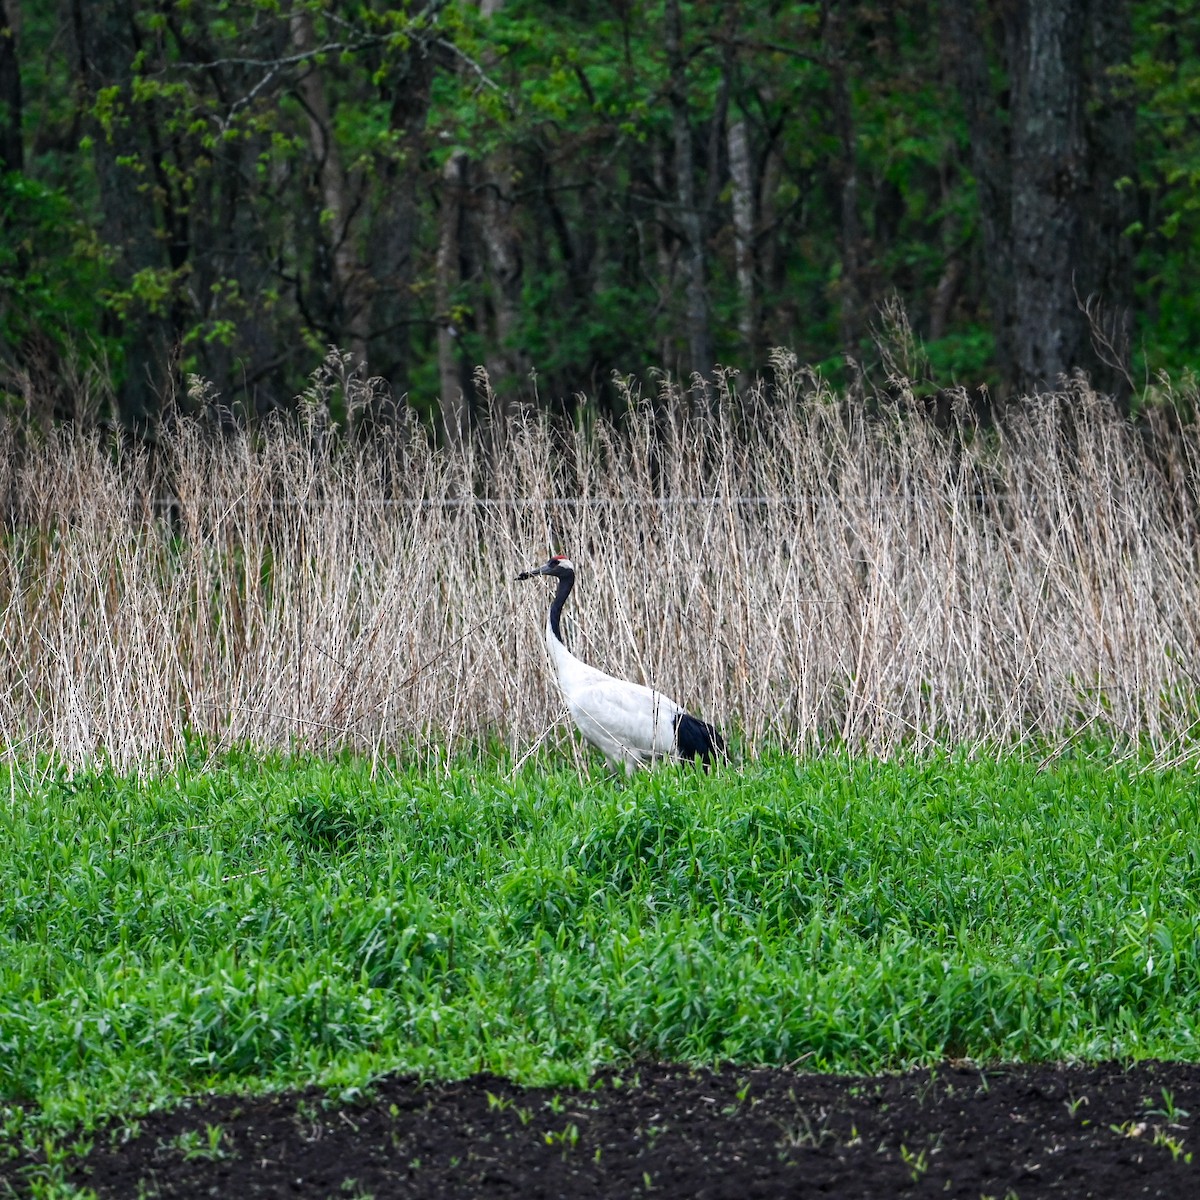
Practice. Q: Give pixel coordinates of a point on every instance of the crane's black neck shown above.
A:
(566, 581)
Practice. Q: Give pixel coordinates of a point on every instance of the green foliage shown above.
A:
(284, 225)
(963, 357)
(1164, 77)
(326, 820)
(249, 922)
(53, 270)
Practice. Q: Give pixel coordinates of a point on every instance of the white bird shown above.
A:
(630, 724)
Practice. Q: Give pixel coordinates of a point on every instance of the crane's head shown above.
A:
(559, 566)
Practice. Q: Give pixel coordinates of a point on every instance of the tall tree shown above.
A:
(1047, 151)
(741, 180)
(395, 258)
(690, 220)
(850, 301)
(12, 155)
(453, 385)
(347, 278)
(1048, 186)
(501, 240)
(107, 42)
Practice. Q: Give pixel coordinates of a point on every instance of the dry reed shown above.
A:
(786, 564)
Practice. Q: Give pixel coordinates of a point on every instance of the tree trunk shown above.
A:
(775, 316)
(106, 43)
(454, 386)
(1108, 288)
(699, 334)
(842, 102)
(666, 262)
(503, 356)
(1050, 212)
(741, 174)
(1049, 188)
(349, 318)
(12, 155)
(395, 225)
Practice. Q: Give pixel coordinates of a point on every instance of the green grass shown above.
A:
(265, 922)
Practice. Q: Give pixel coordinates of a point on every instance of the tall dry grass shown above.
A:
(784, 563)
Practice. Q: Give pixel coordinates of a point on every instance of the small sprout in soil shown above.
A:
(307, 1119)
(1169, 1109)
(805, 1135)
(567, 1138)
(1175, 1145)
(652, 1133)
(927, 1089)
(124, 1133)
(742, 1092)
(1129, 1129)
(917, 1163)
(195, 1148)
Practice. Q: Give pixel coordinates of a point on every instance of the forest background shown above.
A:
(577, 193)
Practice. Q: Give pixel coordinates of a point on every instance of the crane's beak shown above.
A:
(544, 569)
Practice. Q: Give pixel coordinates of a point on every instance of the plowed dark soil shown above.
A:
(662, 1130)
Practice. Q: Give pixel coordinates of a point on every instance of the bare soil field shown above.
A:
(959, 1130)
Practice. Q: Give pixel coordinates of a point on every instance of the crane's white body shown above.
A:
(629, 723)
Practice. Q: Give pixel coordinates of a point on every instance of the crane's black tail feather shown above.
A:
(697, 739)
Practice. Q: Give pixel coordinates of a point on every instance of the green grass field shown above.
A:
(263, 922)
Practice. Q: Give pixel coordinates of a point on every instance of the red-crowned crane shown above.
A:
(631, 725)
